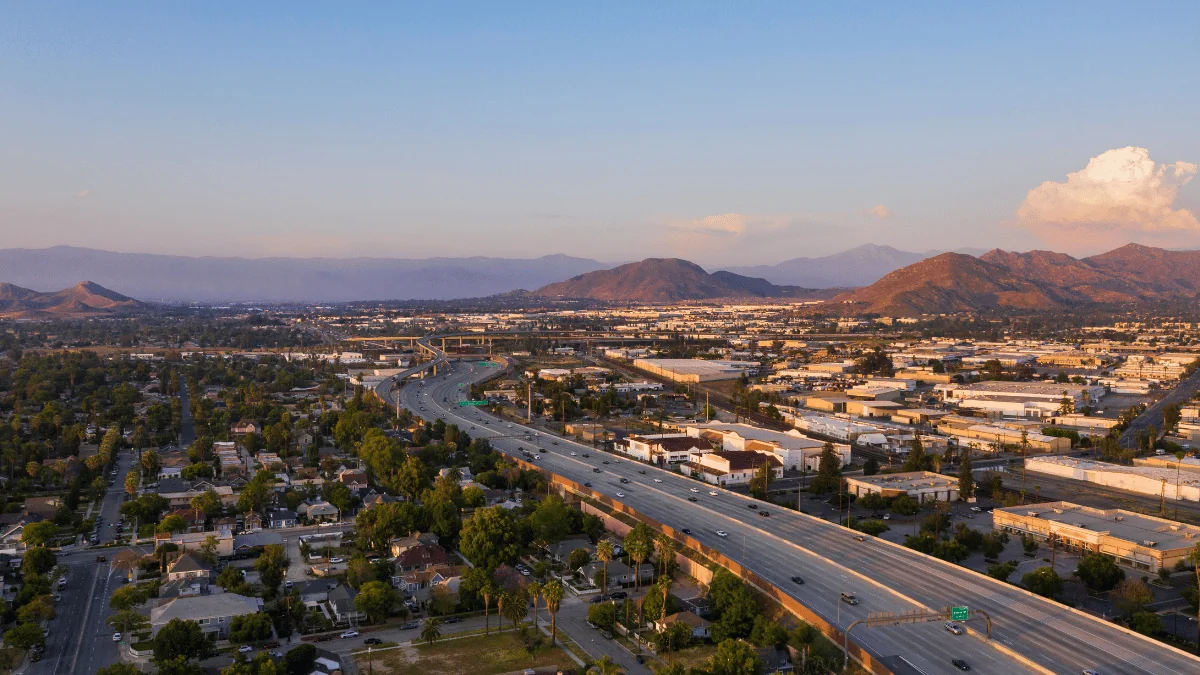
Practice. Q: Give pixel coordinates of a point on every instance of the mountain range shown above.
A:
(659, 280)
(182, 279)
(1035, 280)
(82, 300)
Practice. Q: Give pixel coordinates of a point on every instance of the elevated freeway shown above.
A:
(1029, 633)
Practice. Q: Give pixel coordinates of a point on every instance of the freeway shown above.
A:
(1153, 415)
(1030, 634)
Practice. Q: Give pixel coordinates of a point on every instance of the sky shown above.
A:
(725, 133)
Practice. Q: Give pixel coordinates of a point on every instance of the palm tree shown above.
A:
(553, 593)
(604, 551)
(516, 606)
(666, 550)
(605, 666)
(487, 592)
(500, 598)
(431, 631)
(639, 550)
(535, 592)
(664, 587)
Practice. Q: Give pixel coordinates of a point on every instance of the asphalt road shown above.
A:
(831, 561)
(1153, 415)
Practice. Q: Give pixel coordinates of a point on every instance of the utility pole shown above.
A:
(706, 408)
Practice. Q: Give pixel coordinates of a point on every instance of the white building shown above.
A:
(793, 449)
(1158, 482)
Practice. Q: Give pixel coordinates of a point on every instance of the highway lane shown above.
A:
(788, 543)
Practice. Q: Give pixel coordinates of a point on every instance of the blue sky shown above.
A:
(727, 133)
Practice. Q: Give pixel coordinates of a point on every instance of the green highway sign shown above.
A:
(462, 404)
(487, 364)
(958, 613)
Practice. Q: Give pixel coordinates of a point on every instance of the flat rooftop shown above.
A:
(1125, 525)
(698, 366)
(782, 438)
(908, 480)
(1045, 388)
(1167, 474)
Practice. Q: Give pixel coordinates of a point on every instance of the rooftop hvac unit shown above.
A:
(1151, 544)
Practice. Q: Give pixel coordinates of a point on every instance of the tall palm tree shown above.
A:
(431, 631)
(488, 593)
(639, 550)
(515, 606)
(666, 549)
(553, 593)
(605, 552)
(606, 666)
(535, 592)
(664, 587)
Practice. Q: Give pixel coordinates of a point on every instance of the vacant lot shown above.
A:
(476, 655)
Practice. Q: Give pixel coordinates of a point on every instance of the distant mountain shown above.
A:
(858, 266)
(168, 278)
(662, 280)
(1036, 280)
(84, 299)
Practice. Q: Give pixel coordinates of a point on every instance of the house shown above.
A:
(192, 541)
(420, 585)
(664, 448)
(281, 518)
(319, 511)
(252, 522)
(421, 557)
(341, 605)
(214, 613)
(188, 566)
(243, 428)
(700, 627)
(561, 551)
(775, 660)
(43, 508)
(619, 574)
(355, 479)
(314, 592)
(374, 499)
(401, 544)
(193, 517)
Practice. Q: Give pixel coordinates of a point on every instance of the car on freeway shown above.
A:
(349, 634)
(642, 471)
(245, 649)
(693, 499)
(960, 664)
(798, 580)
(624, 480)
(696, 490)
(621, 494)
(657, 480)
(764, 513)
(556, 443)
(607, 462)
(849, 599)
(685, 530)
(859, 537)
(574, 454)
(596, 469)
(537, 456)
(1089, 671)
(587, 485)
(753, 507)
(712, 493)
(953, 628)
(116, 637)
(585, 454)
(372, 641)
(722, 533)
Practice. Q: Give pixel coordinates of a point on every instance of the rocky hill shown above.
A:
(84, 299)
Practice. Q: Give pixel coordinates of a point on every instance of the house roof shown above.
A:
(205, 606)
(188, 563)
(740, 460)
(687, 617)
(422, 555)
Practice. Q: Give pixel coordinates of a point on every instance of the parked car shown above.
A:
(244, 649)
(349, 634)
(372, 641)
(452, 619)
(410, 625)
(116, 637)
(607, 635)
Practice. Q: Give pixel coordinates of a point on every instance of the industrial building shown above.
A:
(922, 486)
(1132, 539)
(793, 449)
(1021, 399)
(696, 370)
(1163, 482)
(976, 433)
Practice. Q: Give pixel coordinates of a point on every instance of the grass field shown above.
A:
(477, 655)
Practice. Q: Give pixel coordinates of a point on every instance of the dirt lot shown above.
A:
(476, 655)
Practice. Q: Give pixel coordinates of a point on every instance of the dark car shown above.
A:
(452, 619)
(606, 461)
(960, 664)
(640, 658)
(35, 656)
(372, 641)
(752, 506)
(598, 599)
(587, 485)
(642, 471)
(596, 470)
(410, 625)
(619, 595)
(693, 499)
(586, 455)
(624, 480)
(764, 513)
(686, 531)
(797, 580)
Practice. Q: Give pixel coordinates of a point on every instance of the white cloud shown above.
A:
(83, 194)
(879, 211)
(1121, 193)
(728, 223)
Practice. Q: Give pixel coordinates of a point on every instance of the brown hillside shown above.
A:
(82, 300)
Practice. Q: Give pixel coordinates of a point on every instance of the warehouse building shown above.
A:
(922, 486)
(1132, 539)
(793, 449)
(1156, 481)
(696, 370)
(976, 433)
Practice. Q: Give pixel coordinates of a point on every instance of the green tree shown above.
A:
(39, 534)
(128, 621)
(966, 481)
(181, 639)
(1044, 581)
(376, 599)
(606, 666)
(270, 565)
(1146, 623)
(119, 669)
(917, 460)
(490, 537)
(605, 553)
(172, 524)
(829, 472)
(602, 614)
(553, 593)
(133, 480)
(250, 628)
(734, 657)
(299, 660)
(126, 598)
(37, 610)
(431, 630)
(1131, 596)
(38, 561)
(1099, 572)
(25, 636)
(870, 467)
(207, 502)
(578, 558)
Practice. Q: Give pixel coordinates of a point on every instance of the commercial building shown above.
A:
(696, 370)
(1132, 539)
(732, 468)
(1046, 396)
(975, 433)
(1163, 482)
(920, 485)
(664, 448)
(793, 449)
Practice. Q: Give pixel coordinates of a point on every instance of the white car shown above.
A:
(349, 634)
(337, 560)
(976, 509)
(722, 533)
(620, 494)
(574, 454)
(537, 456)
(116, 637)
(245, 649)
(713, 493)
(696, 490)
(657, 480)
